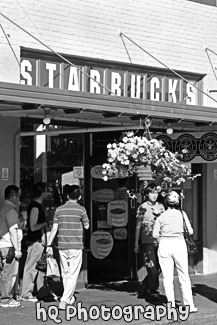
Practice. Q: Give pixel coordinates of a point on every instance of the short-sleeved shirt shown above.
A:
(170, 224)
(145, 219)
(8, 219)
(71, 218)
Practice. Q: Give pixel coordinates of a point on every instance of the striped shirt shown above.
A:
(71, 218)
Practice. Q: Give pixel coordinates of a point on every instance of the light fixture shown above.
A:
(46, 119)
(169, 130)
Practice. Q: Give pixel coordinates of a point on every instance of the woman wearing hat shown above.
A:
(168, 229)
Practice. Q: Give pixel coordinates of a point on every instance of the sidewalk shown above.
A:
(123, 294)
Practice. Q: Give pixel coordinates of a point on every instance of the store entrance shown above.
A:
(112, 220)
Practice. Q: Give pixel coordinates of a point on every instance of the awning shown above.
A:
(81, 109)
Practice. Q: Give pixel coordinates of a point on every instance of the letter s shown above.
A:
(26, 65)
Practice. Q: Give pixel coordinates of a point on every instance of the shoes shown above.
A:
(193, 310)
(155, 297)
(30, 299)
(72, 300)
(10, 303)
(62, 305)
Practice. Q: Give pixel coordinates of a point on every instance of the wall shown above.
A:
(210, 219)
(9, 127)
(173, 31)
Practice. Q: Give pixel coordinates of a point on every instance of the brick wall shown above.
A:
(174, 31)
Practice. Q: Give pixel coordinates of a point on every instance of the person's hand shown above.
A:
(155, 243)
(49, 251)
(49, 225)
(18, 254)
(136, 248)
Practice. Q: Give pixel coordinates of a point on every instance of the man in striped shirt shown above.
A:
(69, 221)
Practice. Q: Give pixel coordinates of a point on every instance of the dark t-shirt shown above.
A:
(34, 236)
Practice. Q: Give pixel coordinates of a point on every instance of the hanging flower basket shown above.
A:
(125, 156)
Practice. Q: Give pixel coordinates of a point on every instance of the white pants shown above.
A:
(70, 262)
(173, 251)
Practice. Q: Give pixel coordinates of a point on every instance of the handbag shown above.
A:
(52, 267)
(10, 255)
(41, 264)
(191, 245)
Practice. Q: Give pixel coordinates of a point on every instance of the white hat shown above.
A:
(173, 198)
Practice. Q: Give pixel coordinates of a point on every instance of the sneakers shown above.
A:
(10, 303)
(30, 299)
(72, 301)
(193, 310)
(62, 305)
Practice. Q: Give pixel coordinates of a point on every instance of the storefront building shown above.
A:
(59, 109)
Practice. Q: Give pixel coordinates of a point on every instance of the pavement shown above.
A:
(119, 303)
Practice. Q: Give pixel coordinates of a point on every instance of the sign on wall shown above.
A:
(142, 85)
(5, 174)
(191, 147)
(101, 244)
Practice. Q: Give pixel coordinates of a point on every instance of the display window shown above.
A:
(56, 160)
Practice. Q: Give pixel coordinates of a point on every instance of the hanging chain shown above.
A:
(147, 124)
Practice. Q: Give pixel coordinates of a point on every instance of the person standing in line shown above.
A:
(36, 224)
(9, 234)
(172, 250)
(69, 221)
(147, 212)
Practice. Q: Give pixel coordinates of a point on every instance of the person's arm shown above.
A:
(53, 232)
(156, 229)
(85, 220)
(34, 226)
(137, 232)
(188, 224)
(12, 224)
(14, 240)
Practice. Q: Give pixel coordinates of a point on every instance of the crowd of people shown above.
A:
(69, 219)
(158, 237)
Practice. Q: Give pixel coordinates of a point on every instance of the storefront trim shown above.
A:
(18, 95)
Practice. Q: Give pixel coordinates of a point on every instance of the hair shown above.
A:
(172, 204)
(150, 188)
(11, 190)
(74, 192)
(38, 189)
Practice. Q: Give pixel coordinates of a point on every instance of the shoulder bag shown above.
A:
(41, 264)
(191, 245)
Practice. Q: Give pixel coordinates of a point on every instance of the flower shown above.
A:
(125, 156)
